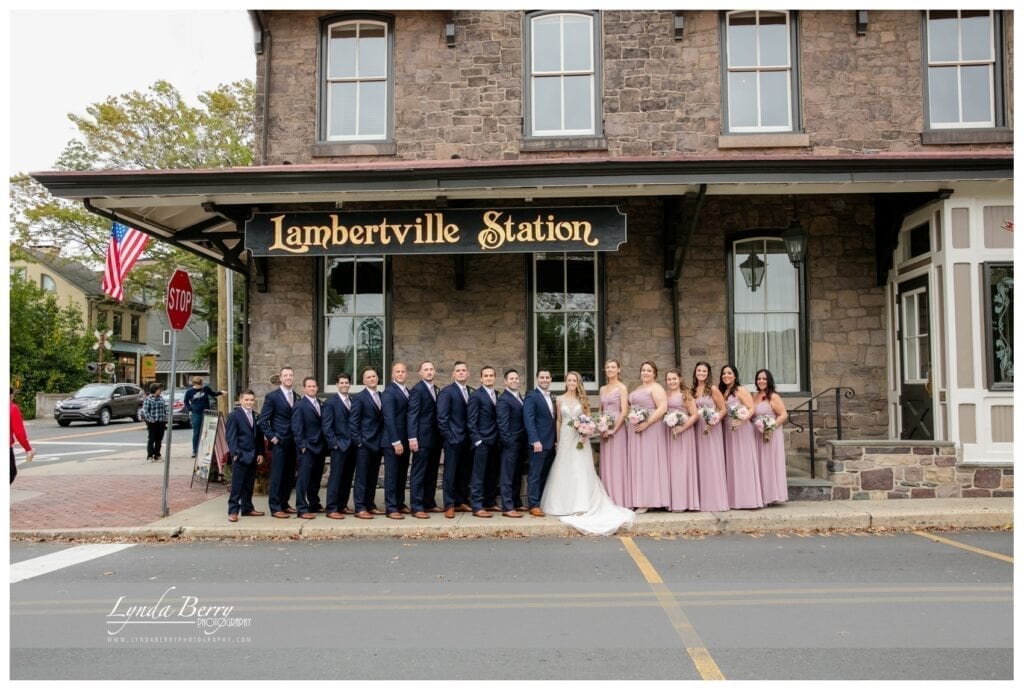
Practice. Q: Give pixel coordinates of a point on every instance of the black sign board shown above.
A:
(441, 231)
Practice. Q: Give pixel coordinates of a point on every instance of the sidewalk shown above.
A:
(119, 497)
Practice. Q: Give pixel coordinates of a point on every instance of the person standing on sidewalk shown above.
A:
(154, 411)
(18, 434)
(245, 446)
(197, 401)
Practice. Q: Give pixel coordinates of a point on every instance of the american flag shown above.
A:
(126, 245)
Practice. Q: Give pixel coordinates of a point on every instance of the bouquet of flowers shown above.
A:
(710, 416)
(638, 414)
(674, 419)
(604, 423)
(739, 413)
(765, 424)
(584, 427)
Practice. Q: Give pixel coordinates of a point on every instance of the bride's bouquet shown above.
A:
(638, 414)
(674, 419)
(710, 416)
(584, 427)
(765, 423)
(604, 423)
(739, 413)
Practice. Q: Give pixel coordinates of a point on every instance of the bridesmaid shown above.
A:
(772, 453)
(648, 456)
(710, 451)
(682, 449)
(742, 478)
(614, 444)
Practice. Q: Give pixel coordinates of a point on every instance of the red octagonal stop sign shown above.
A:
(179, 299)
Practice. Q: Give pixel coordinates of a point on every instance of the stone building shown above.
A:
(820, 192)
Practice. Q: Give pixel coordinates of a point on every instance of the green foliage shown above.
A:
(49, 344)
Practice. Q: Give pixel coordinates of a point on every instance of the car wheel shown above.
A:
(104, 417)
(64, 422)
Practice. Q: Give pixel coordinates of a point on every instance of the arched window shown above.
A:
(47, 284)
(356, 80)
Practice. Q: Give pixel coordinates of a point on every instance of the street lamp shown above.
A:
(796, 242)
(753, 271)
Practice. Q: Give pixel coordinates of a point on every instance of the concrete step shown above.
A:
(803, 488)
(800, 462)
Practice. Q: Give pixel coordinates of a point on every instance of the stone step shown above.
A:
(800, 462)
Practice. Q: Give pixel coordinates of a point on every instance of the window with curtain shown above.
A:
(962, 68)
(760, 71)
(355, 98)
(354, 314)
(565, 323)
(563, 67)
(767, 324)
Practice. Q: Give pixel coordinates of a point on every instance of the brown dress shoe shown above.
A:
(494, 508)
(435, 509)
(450, 513)
(396, 516)
(290, 510)
(347, 511)
(376, 511)
(254, 513)
(336, 516)
(307, 516)
(463, 508)
(233, 517)
(481, 513)
(363, 515)
(421, 515)
(512, 513)
(522, 509)
(281, 514)
(537, 512)
(405, 511)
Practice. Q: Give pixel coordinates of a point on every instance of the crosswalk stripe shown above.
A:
(34, 567)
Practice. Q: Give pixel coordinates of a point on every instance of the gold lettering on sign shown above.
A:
(496, 231)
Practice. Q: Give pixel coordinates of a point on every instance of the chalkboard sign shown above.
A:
(212, 447)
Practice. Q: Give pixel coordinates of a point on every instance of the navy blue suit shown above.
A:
(310, 451)
(421, 420)
(540, 426)
(276, 423)
(245, 442)
(513, 449)
(394, 403)
(334, 415)
(482, 420)
(451, 422)
(366, 427)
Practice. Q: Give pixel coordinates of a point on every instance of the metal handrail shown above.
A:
(840, 392)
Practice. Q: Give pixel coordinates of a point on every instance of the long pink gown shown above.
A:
(771, 456)
(614, 452)
(714, 494)
(648, 459)
(682, 463)
(742, 478)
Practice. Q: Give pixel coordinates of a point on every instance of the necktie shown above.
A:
(405, 391)
(316, 404)
(490, 392)
(551, 408)
(518, 399)
(348, 405)
(433, 391)
(376, 399)
(291, 401)
(465, 395)
(248, 416)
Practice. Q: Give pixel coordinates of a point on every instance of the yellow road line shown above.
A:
(695, 648)
(965, 547)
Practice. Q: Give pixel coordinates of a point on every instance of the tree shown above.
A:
(49, 344)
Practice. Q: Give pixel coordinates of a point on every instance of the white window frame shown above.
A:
(757, 70)
(45, 278)
(358, 79)
(959, 64)
(561, 75)
(557, 384)
(911, 296)
(166, 337)
(330, 377)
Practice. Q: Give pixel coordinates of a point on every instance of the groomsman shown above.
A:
(539, 420)
(310, 450)
(452, 403)
(395, 444)
(245, 446)
(366, 425)
(276, 424)
(425, 444)
(513, 445)
(482, 420)
(343, 452)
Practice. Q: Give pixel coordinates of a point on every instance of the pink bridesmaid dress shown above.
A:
(742, 478)
(682, 463)
(648, 459)
(614, 450)
(771, 456)
(714, 494)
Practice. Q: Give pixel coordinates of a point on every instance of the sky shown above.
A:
(62, 61)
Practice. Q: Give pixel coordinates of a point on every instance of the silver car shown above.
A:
(100, 402)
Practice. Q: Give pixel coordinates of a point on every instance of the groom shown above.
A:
(539, 420)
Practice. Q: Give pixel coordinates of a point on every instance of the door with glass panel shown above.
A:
(914, 343)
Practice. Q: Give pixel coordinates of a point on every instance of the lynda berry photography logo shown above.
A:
(179, 614)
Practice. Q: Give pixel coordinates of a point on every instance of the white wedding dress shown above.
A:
(573, 490)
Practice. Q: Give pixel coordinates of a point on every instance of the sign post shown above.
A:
(179, 311)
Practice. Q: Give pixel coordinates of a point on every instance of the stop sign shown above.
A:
(179, 299)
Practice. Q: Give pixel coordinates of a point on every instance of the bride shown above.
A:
(573, 489)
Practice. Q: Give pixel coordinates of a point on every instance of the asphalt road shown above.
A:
(80, 441)
(867, 606)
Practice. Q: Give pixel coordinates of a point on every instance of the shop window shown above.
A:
(117, 325)
(565, 315)
(768, 312)
(354, 314)
(964, 69)
(563, 89)
(136, 322)
(357, 82)
(47, 284)
(761, 85)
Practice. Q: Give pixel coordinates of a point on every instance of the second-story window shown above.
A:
(562, 54)
(47, 284)
(962, 69)
(760, 72)
(356, 99)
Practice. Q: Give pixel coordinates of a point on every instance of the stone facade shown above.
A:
(911, 469)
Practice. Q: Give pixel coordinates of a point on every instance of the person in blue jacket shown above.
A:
(197, 401)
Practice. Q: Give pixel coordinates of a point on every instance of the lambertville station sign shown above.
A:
(443, 231)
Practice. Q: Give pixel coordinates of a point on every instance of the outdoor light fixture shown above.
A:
(862, 22)
(753, 271)
(796, 242)
(677, 25)
(449, 30)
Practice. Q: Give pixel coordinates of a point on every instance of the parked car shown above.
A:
(180, 416)
(100, 402)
